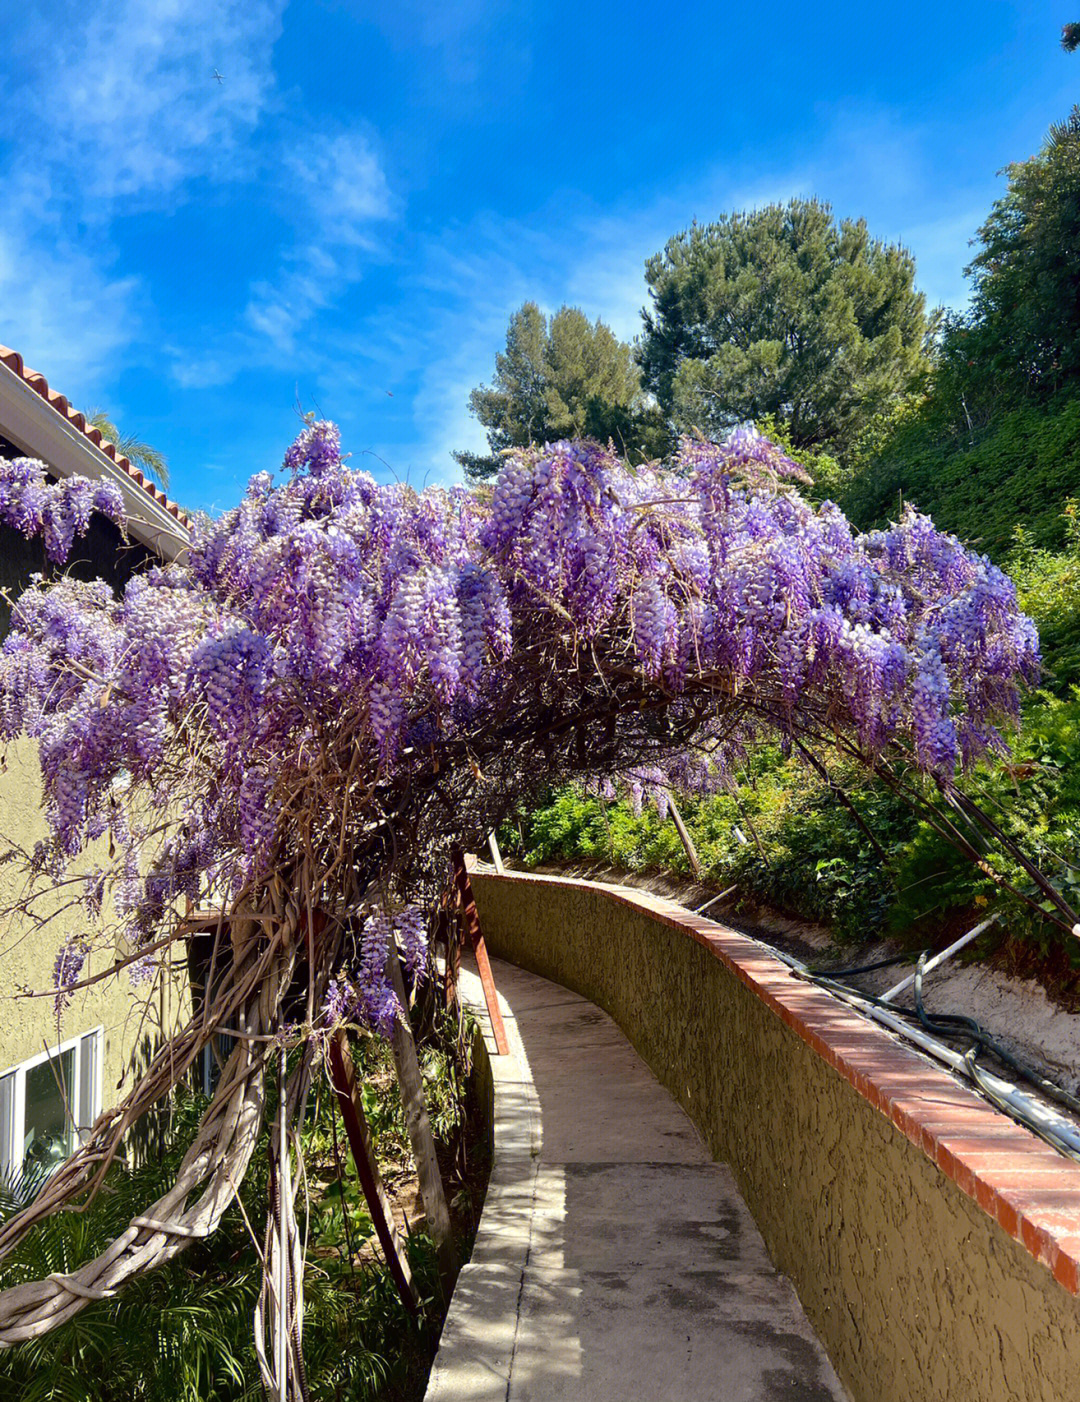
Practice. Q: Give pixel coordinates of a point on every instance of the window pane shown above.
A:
(48, 1136)
(89, 1081)
(8, 1156)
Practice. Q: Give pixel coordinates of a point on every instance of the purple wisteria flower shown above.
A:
(66, 971)
(330, 621)
(58, 511)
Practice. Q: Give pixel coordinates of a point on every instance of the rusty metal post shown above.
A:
(343, 1079)
(476, 939)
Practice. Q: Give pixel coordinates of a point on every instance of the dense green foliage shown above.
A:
(1021, 338)
(183, 1333)
(782, 837)
(1018, 471)
(567, 378)
(785, 312)
(1049, 585)
(995, 441)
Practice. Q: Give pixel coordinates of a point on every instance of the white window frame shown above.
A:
(84, 1100)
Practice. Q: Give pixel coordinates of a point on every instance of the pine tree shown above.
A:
(783, 312)
(567, 378)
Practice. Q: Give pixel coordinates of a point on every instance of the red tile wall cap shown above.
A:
(40, 385)
(1031, 1190)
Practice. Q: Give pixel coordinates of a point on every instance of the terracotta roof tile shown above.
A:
(40, 385)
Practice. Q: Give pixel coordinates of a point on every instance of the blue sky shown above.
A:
(346, 222)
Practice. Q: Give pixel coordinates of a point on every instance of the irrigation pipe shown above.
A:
(713, 899)
(937, 960)
(1055, 1129)
(496, 855)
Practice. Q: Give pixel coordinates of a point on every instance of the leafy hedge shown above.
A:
(785, 839)
(1018, 472)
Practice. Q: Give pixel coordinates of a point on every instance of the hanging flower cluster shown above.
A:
(57, 511)
(332, 651)
(363, 993)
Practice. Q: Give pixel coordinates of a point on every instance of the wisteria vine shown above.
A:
(338, 676)
(329, 609)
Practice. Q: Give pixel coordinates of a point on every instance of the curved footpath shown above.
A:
(615, 1261)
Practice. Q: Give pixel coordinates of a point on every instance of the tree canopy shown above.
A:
(566, 377)
(1020, 341)
(787, 313)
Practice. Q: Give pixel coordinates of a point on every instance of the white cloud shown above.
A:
(129, 100)
(124, 110)
(342, 183)
(339, 190)
(65, 316)
(279, 309)
(200, 371)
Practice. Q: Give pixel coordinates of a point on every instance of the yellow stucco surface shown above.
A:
(916, 1292)
(29, 1026)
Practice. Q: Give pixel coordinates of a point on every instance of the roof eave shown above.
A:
(33, 425)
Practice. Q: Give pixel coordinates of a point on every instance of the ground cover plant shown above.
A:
(183, 1334)
(338, 677)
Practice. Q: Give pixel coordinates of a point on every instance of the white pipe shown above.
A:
(1062, 1132)
(712, 901)
(938, 959)
(496, 855)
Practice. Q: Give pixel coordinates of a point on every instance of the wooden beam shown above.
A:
(343, 1079)
(476, 939)
(684, 834)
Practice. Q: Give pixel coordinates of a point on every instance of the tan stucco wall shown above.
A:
(917, 1294)
(29, 1026)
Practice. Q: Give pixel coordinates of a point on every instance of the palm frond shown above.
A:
(142, 455)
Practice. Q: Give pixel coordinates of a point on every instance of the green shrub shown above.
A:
(1018, 471)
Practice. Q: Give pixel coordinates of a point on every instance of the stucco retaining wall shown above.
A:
(934, 1244)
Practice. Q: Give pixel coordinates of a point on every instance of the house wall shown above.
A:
(934, 1244)
(29, 1026)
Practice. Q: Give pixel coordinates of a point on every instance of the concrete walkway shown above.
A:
(615, 1261)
